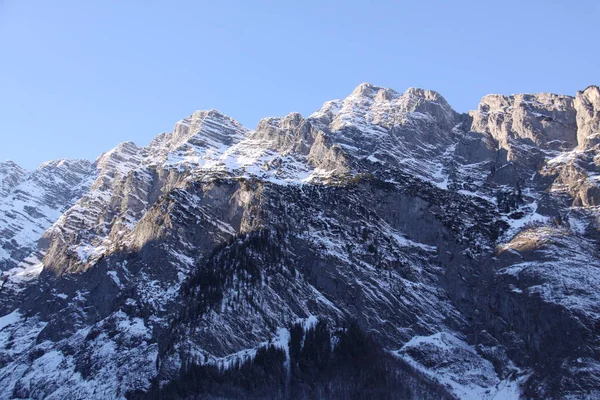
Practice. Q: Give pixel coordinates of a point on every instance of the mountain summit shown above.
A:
(385, 246)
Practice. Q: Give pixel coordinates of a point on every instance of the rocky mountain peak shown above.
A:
(206, 128)
(373, 105)
(425, 94)
(292, 119)
(379, 94)
(9, 164)
(32, 201)
(10, 175)
(119, 159)
(545, 120)
(587, 105)
(374, 92)
(65, 163)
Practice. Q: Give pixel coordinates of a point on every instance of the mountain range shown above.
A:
(386, 246)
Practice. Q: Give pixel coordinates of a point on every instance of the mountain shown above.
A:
(32, 201)
(384, 247)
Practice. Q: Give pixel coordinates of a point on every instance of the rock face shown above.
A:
(10, 176)
(544, 120)
(409, 131)
(587, 104)
(32, 202)
(455, 255)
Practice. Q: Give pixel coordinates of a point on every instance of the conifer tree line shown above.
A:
(323, 363)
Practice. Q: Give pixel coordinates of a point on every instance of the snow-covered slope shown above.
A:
(32, 201)
(465, 245)
(410, 131)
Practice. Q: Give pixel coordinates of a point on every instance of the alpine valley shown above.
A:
(385, 247)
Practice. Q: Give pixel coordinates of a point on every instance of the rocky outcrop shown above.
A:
(411, 131)
(33, 201)
(10, 176)
(587, 105)
(545, 120)
(200, 138)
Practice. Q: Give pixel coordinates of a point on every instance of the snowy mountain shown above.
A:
(31, 202)
(384, 247)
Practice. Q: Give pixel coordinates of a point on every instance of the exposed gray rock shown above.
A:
(466, 245)
(545, 120)
(587, 104)
(33, 201)
(10, 176)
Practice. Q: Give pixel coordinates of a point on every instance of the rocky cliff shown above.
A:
(460, 251)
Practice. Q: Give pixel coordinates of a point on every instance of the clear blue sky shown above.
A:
(78, 77)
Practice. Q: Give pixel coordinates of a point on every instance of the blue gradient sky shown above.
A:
(78, 77)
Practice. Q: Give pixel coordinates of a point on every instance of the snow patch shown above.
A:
(9, 319)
